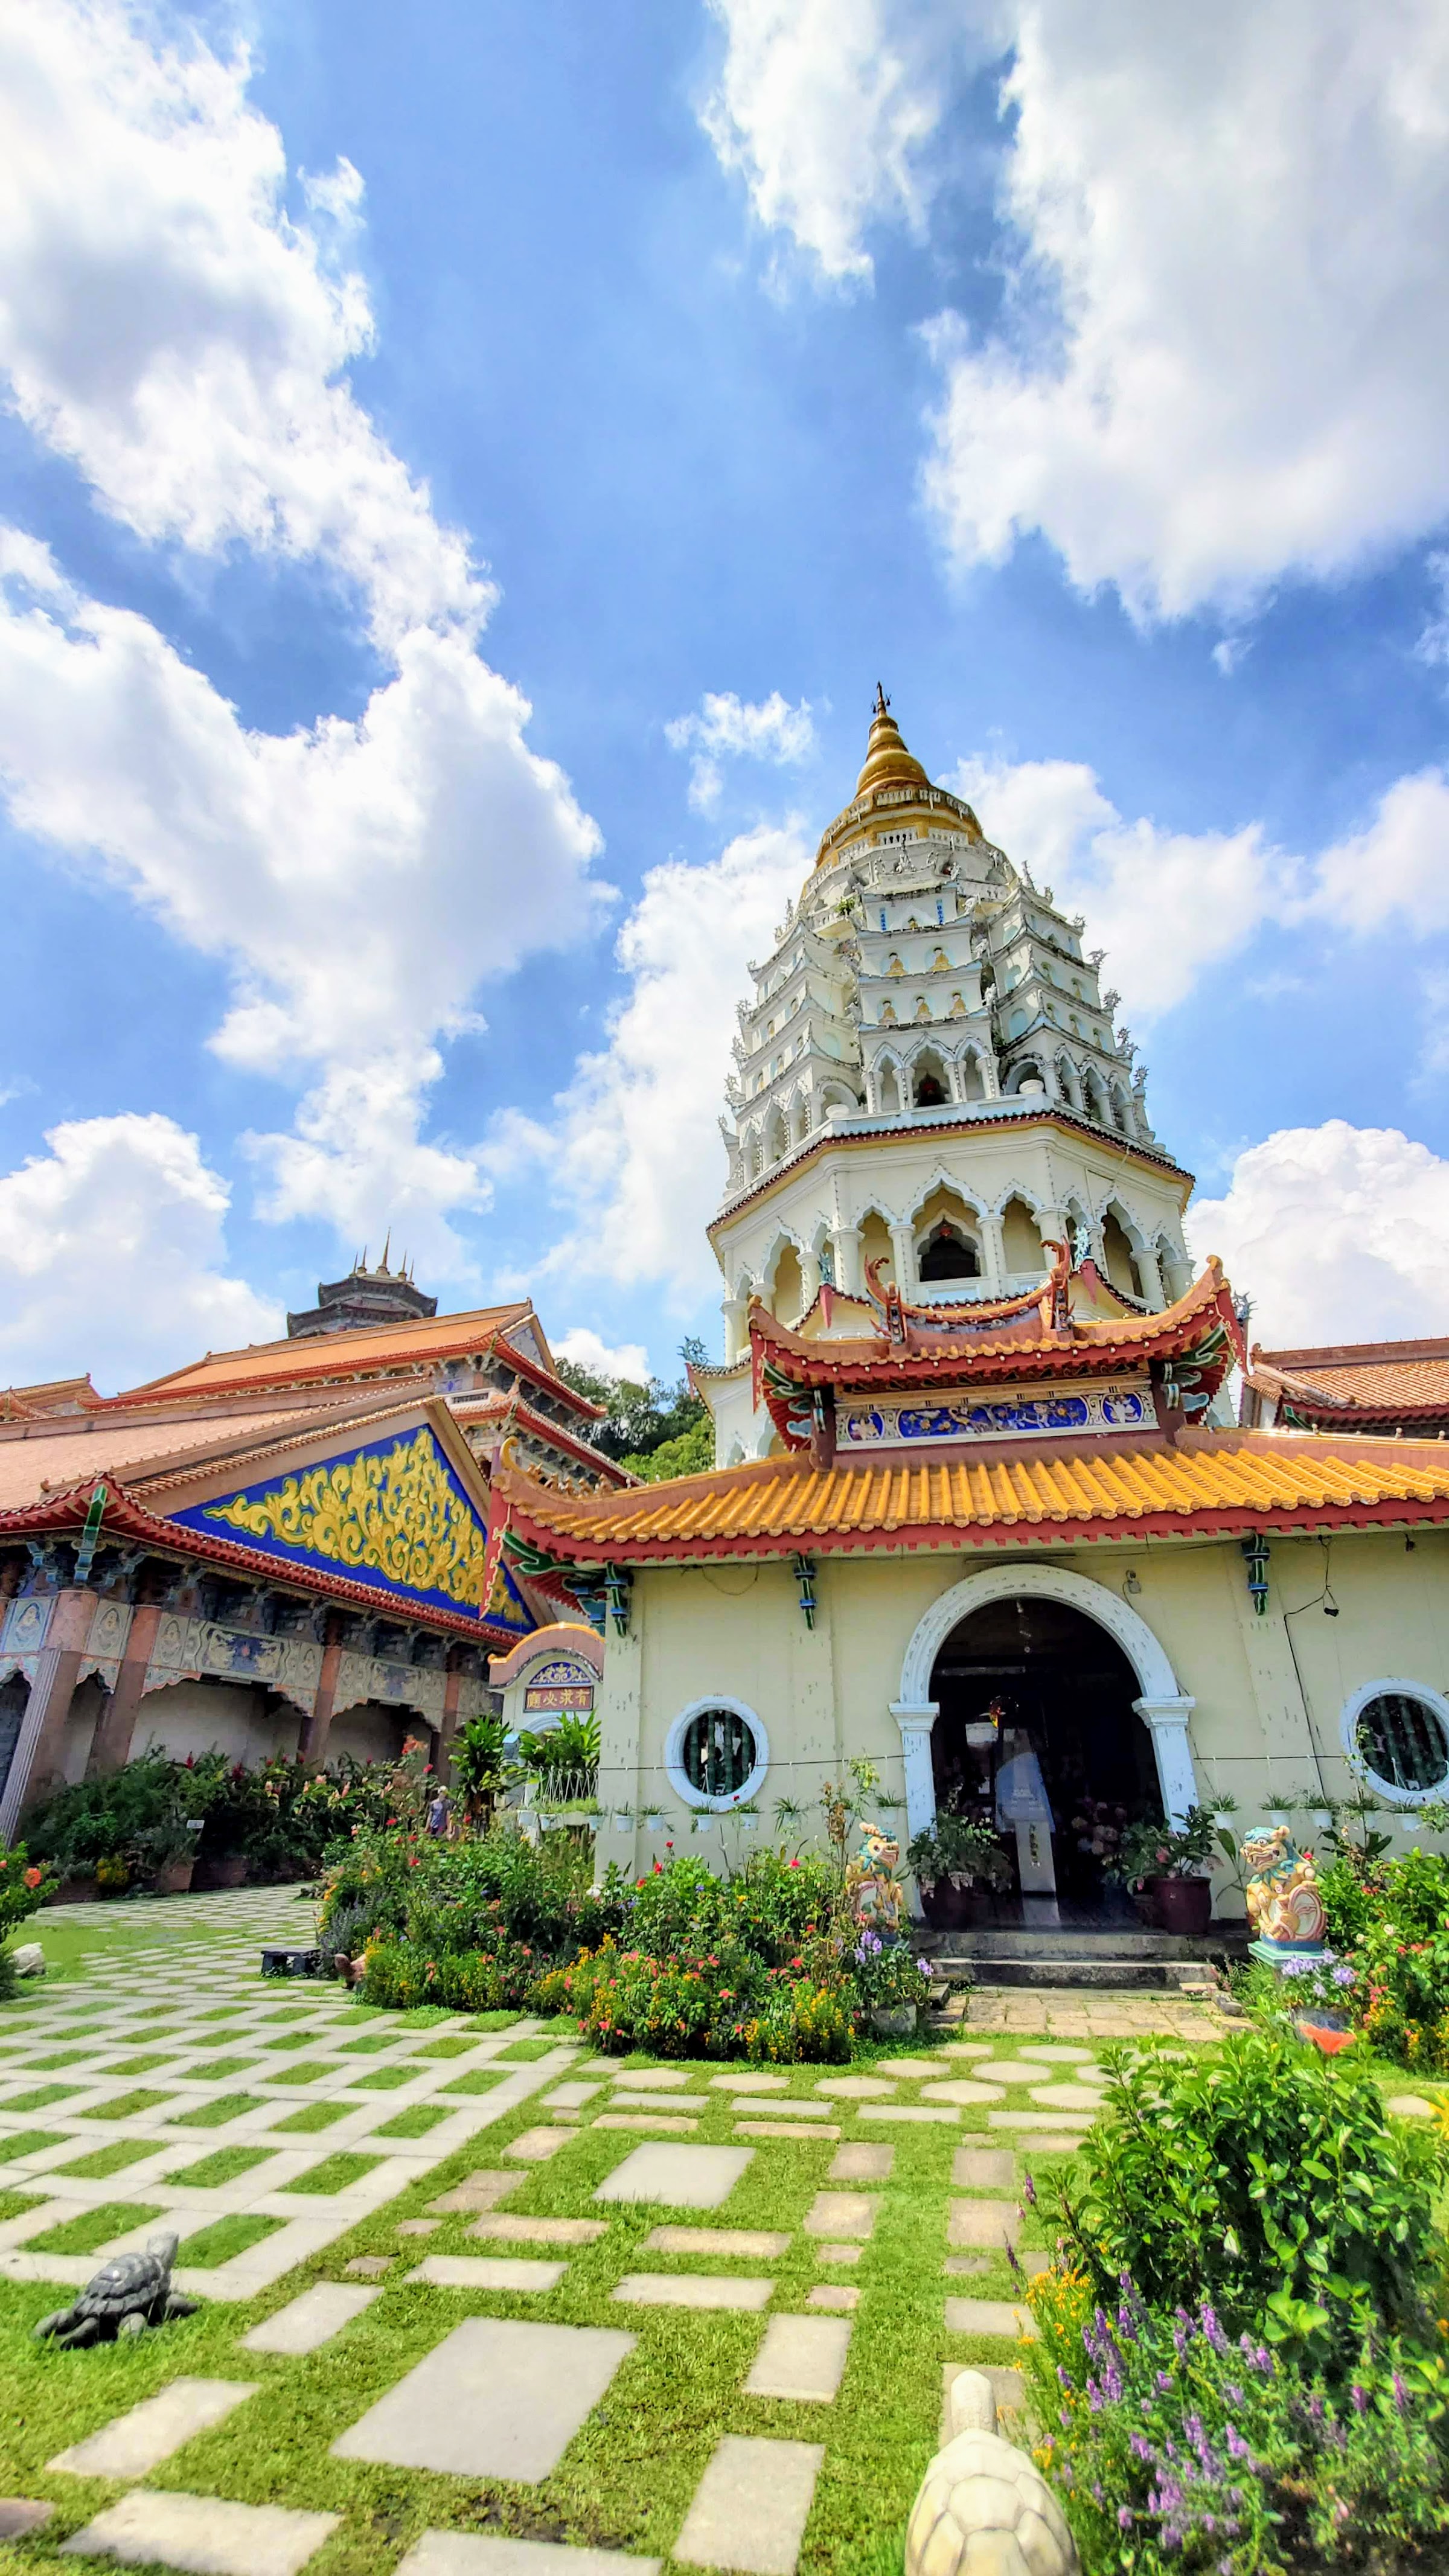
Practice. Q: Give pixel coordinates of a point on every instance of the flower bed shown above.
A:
(1239, 2362)
(148, 1823)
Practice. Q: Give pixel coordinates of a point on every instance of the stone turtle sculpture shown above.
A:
(128, 2294)
(983, 2507)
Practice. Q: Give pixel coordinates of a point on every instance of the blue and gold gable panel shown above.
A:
(393, 1515)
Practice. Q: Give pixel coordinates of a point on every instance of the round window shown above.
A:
(716, 1753)
(1400, 1737)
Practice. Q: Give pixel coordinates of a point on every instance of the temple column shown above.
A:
(810, 1277)
(1052, 1225)
(915, 1725)
(736, 1310)
(994, 1253)
(1149, 1271)
(111, 1743)
(37, 1765)
(903, 1255)
(846, 1239)
(452, 1687)
(1176, 1776)
(312, 1741)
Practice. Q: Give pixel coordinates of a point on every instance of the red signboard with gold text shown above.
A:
(559, 1695)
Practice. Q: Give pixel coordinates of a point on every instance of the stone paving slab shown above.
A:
(656, 2122)
(981, 2222)
(570, 2097)
(309, 2320)
(751, 2506)
(751, 2244)
(203, 2536)
(841, 2213)
(535, 2146)
(692, 2290)
(1055, 2054)
(480, 2191)
(748, 2080)
(500, 2397)
(486, 2272)
(912, 2069)
(856, 2088)
(988, 2317)
(923, 2111)
(983, 2169)
(833, 2294)
(539, 2231)
(1057, 2120)
(837, 2253)
(961, 2089)
(865, 2162)
(147, 2434)
(685, 2177)
(782, 2129)
(1067, 2097)
(802, 2358)
(460, 2553)
(656, 2079)
(21, 2514)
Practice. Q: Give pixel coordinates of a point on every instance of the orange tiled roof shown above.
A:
(1209, 1481)
(1392, 1378)
(316, 1356)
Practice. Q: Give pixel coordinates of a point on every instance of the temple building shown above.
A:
(276, 1549)
(1397, 1387)
(982, 1510)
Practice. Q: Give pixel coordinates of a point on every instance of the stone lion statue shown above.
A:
(1285, 1908)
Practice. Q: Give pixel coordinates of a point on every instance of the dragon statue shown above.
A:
(873, 1891)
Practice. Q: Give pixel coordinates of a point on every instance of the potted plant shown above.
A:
(951, 1858)
(1169, 1864)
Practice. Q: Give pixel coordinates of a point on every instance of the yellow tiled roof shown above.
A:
(1211, 1479)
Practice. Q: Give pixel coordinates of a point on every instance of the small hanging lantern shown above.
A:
(805, 1577)
(1256, 1550)
(618, 1585)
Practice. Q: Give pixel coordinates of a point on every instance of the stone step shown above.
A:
(1082, 1941)
(1117, 1976)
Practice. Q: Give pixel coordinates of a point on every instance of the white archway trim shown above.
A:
(1162, 1707)
(1353, 1710)
(679, 1779)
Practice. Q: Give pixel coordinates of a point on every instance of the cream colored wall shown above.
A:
(371, 1732)
(738, 1630)
(202, 1716)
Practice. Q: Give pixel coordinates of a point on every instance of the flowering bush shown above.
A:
(24, 1887)
(401, 1974)
(886, 1976)
(724, 2004)
(1151, 1849)
(1176, 2447)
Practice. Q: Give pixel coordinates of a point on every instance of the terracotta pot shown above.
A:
(231, 1872)
(173, 1878)
(75, 1891)
(1182, 1904)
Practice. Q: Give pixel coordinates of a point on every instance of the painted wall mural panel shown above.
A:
(391, 1514)
(1004, 1414)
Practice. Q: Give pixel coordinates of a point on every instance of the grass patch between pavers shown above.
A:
(423, 2017)
(482, 2080)
(53, 2065)
(30, 2142)
(495, 2020)
(43, 2095)
(313, 2072)
(381, 2079)
(414, 2122)
(215, 2070)
(226, 2237)
(224, 2166)
(141, 2065)
(521, 2051)
(14, 2204)
(372, 2040)
(215, 2114)
(311, 2116)
(452, 2047)
(125, 2106)
(335, 2173)
(93, 2227)
(295, 2039)
(102, 2162)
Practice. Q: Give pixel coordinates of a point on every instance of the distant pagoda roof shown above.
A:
(893, 778)
(1340, 1385)
(380, 1296)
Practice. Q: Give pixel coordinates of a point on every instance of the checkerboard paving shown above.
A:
(175, 2001)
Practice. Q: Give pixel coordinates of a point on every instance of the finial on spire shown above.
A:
(882, 702)
(387, 1247)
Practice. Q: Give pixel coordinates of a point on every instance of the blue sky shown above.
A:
(678, 371)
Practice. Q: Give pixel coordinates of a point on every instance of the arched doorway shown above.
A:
(1062, 1692)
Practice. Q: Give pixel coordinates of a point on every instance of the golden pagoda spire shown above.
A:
(887, 761)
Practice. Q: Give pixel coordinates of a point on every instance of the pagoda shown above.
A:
(983, 1516)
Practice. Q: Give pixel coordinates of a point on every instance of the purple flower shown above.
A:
(1140, 2448)
(1063, 2377)
(1401, 2394)
(1028, 2192)
(1164, 2382)
(923, 1967)
(1237, 2447)
(1344, 1975)
(1212, 2329)
(1360, 2399)
(1124, 2517)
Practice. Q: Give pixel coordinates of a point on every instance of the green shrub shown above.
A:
(401, 1974)
(1267, 2180)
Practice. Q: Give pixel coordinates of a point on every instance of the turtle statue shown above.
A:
(983, 2507)
(129, 2293)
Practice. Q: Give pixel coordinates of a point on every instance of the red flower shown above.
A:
(33, 1877)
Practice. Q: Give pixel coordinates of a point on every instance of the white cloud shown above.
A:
(635, 1147)
(168, 327)
(111, 1256)
(1223, 352)
(603, 1359)
(1337, 1233)
(1237, 223)
(727, 728)
(1395, 866)
(826, 107)
(1166, 906)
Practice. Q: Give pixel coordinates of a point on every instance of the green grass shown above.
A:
(41, 2097)
(335, 2173)
(423, 2017)
(521, 2051)
(68, 2057)
(218, 2039)
(482, 2080)
(214, 2069)
(496, 2020)
(225, 2237)
(276, 2020)
(414, 2122)
(445, 2048)
(93, 2227)
(216, 2113)
(381, 2079)
(14, 2204)
(310, 2074)
(372, 2040)
(297, 2039)
(224, 2166)
(141, 2065)
(30, 2142)
(102, 2162)
(312, 2115)
(125, 2106)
